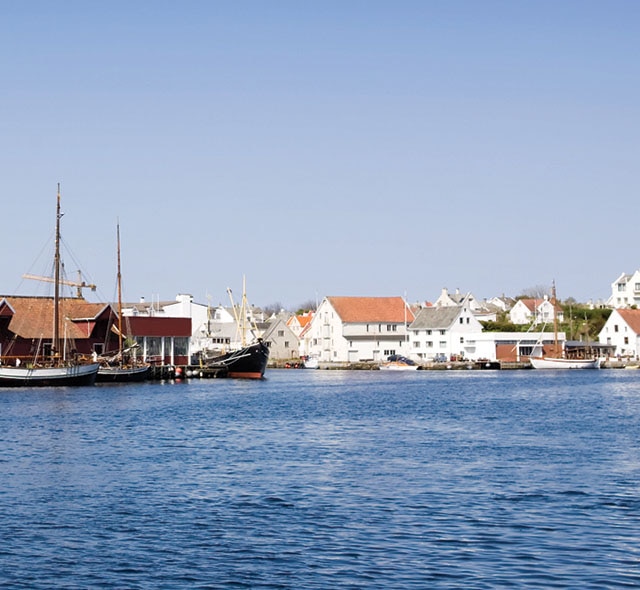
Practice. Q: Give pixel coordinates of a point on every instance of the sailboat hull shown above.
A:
(562, 363)
(249, 362)
(48, 376)
(122, 374)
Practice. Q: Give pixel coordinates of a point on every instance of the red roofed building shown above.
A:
(359, 329)
(537, 311)
(622, 330)
(26, 326)
(26, 330)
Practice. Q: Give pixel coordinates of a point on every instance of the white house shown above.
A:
(297, 323)
(625, 291)
(500, 303)
(622, 330)
(537, 311)
(447, 299)
(357, 329)
(283, 342)
(213, 328)
(439, 333)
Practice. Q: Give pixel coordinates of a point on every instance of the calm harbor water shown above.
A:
(319, 479)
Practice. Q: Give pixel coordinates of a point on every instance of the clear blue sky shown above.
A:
(324, 148)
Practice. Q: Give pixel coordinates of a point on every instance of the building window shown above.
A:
(467, 320)
(280, 333)
(462, 320)
(461, 339)
(416, 344)
(428, 332)
(626, 339)
(429, 344)
(615, 327)
(443, 344)
(389, 352)
(180, 346)
(154, 346)
(443, 332)
(286, 344)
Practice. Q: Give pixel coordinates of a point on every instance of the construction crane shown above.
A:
(79, 284)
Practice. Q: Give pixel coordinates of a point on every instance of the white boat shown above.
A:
(398, 363)
(54, 368)
(561, 362)
(311, 362)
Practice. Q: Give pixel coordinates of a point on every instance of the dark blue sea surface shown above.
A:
(320, 479)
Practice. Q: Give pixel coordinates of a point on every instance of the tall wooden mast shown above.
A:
(555, 320)
(119, 295)
(56, 280)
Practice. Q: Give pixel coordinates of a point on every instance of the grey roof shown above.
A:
(435, 318)
(279, 324)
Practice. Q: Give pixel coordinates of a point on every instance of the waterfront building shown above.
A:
(625, 291)
(445, 332)
(359, 329)
(535, 311)
(622, 330)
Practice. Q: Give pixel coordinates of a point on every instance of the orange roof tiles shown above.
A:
(33, 317)
(371, 309)
(632, 318)
(302, 319)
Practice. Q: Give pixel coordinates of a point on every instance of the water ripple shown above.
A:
(316, 479)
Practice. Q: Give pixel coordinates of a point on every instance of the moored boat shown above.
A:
(122, 373)
(396, 362)
(311, 362)
(123, 367)
(57, 366)
(243, 360)
(36, 375)
(563, 363)
(557, 360)
(249, 362)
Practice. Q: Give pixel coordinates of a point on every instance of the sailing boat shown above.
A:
(120, 369)
(558, 361)
(248, 361)
(54, 368)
